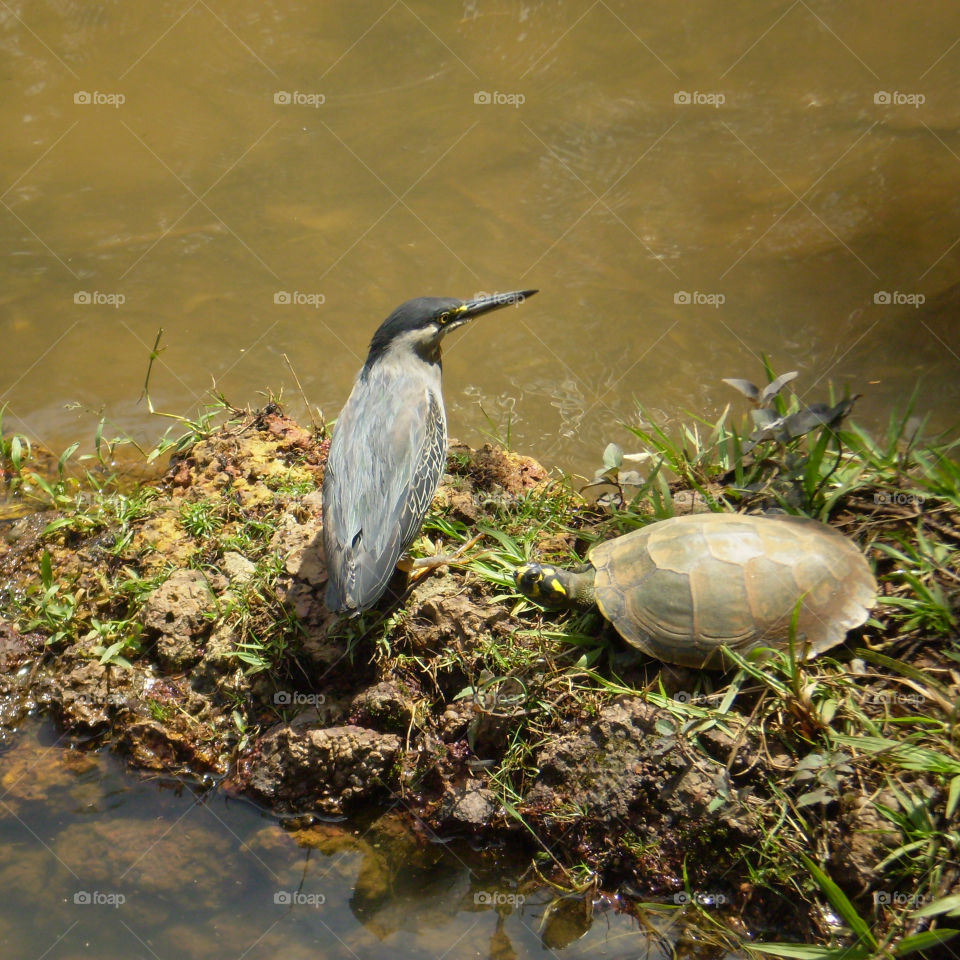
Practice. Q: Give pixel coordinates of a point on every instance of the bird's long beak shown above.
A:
(473, 308)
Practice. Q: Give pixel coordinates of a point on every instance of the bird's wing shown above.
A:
(381, 477)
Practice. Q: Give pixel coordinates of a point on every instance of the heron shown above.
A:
(389, 448)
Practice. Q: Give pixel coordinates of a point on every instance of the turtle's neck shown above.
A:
(580, 587)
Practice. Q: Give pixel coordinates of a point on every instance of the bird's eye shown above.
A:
(444, 318)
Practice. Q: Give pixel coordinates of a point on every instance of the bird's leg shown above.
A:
(424, 565)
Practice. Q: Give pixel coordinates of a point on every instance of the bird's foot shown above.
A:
(419, 568)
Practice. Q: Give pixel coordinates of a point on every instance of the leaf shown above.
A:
(46, 569)
(816, 415)
(907, 755)
(953, 796)
(747, 388)
(764, 419)
(839, 901)
(107, 655)
(949, 905)
(65, 456)
(43, 485)
(807, 951)
(57, 524)
(775, 386)
(923, 941)
(811, 761)
(823, 795)
(612, 457)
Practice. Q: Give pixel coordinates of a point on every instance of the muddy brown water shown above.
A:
(688, 187)
(95, 862)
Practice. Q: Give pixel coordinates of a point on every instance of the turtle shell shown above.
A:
(682, 588)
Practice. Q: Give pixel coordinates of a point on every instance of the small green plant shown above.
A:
(15, 451)
(200, 518)
(49, 606)
(926, 607)
(110, 640)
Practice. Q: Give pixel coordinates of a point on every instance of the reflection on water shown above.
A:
(663, 157)
(94, 862)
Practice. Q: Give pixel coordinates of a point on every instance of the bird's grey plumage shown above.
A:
(362, 554)
(389, 448)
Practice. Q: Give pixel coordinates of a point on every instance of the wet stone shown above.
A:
(384, 707)
(470, 805)
(327, 769)
(177, 612)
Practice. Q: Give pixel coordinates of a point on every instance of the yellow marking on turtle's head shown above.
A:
(543, 584)
(528, 578)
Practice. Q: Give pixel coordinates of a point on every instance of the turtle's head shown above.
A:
(549, 585)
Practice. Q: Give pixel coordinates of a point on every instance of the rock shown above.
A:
(152, 860)
(493, 468)
(177, 611)
(299, 543)
(155, 745)
(238, 568)
(861, 837)
(383, 707)
(470, 805)
(443, 611)
(16, 651)
(623, 770)
(33, 771)
(325, 769)
(85, 693)
(454, 720)
(218, 667)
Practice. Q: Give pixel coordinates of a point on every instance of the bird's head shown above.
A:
(418, 326)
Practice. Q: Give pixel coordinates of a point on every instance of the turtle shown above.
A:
(682, 589)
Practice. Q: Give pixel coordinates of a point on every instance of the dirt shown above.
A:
(410, 713)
